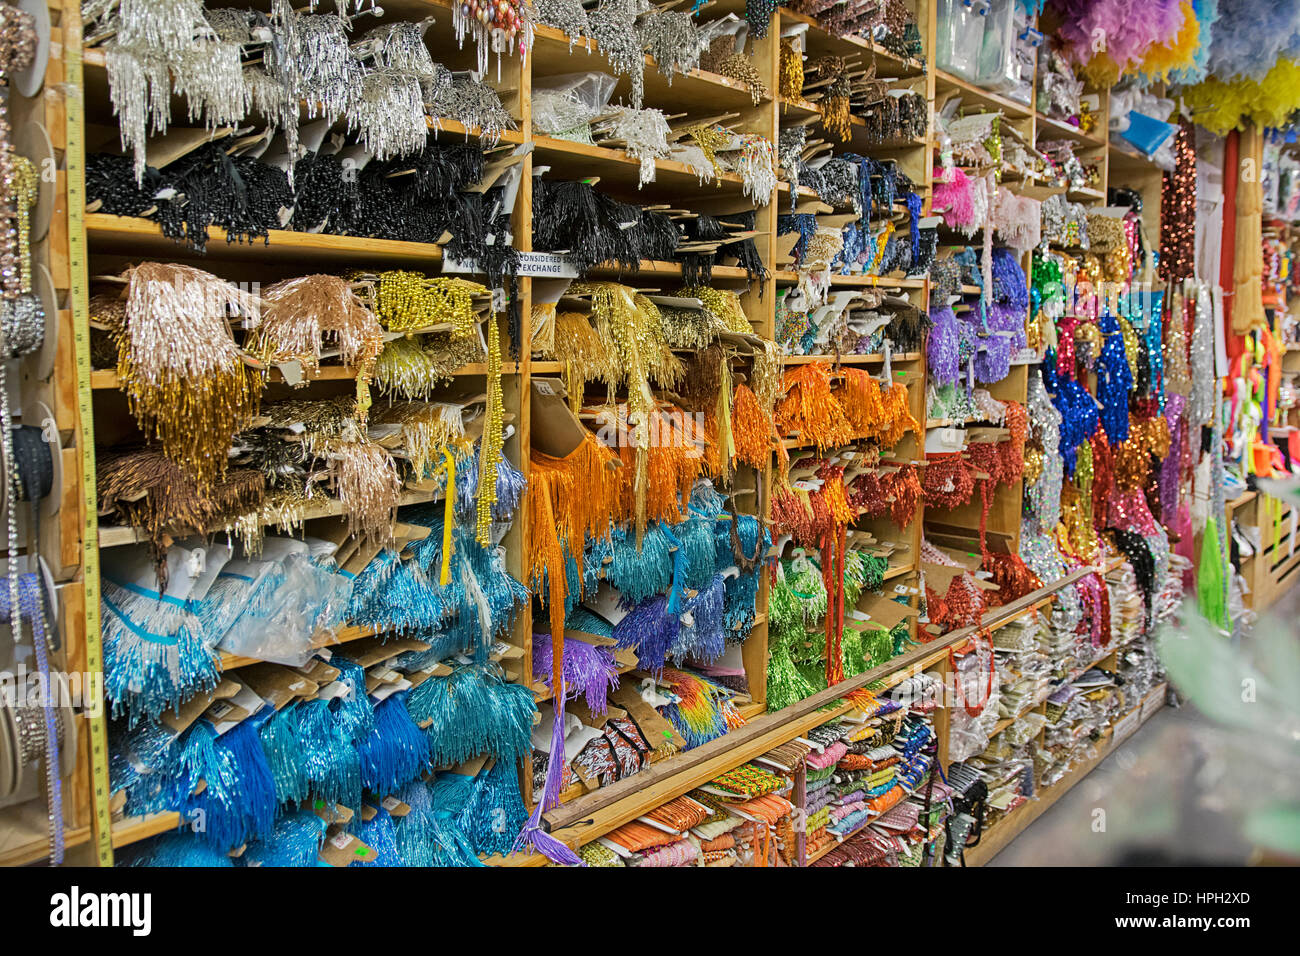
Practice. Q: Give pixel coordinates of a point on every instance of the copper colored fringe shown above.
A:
(148, 490)
(859, 396)
(904, 487)
(368, 488)
(1011, 575)
(307, 315)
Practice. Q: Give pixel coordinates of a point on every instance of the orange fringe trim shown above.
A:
(751, 429)
(568, 499)
(809, 410)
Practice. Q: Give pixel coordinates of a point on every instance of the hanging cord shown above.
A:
(31, 605)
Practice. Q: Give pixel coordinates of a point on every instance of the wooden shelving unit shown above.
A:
(115, 241)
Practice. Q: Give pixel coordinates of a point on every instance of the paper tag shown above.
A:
(341, 840)
(292, 372)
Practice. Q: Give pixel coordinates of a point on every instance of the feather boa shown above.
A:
(1111, 37)
(1251, 35)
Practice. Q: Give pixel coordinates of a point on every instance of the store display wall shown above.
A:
(750, 436)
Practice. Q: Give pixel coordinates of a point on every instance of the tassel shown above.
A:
(581, 619)
(178, 849)
(1209, 579)
(301, 312)
(155, 657)
(569, 500)
(396, 751)
(331, 764)
(679, 573)
(703, 639)
(417, 832)
(511, 485)
(296, 841)
(649, 629)
(237, 803)
(589, 670)
(354, 715)
(368, 487)
(785, 684)
(471, 712)
(284, 755)
(696, 542)
(495, 813)
(379, 834)
(640, 573)
(532, 835)
(698, 713)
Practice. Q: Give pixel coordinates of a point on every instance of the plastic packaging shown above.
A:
(996, 66)
(282, 625)
(960, 36)
(564, 105)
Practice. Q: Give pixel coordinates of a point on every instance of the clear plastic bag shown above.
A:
(284, 625)
(564, 105)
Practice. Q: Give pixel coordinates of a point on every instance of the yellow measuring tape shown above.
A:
(79, 282)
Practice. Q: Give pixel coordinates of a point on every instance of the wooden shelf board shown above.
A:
(621, 173)
(790, 276)
(655, 267)
(972, 95)
(106, 378)
(142, 238)
(1052, 129)
(134, 829)
(24, 833)
(869, 359)
(114, 536)
(698, 93)
(819, 42)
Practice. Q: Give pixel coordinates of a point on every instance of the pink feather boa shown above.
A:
(1123, 29)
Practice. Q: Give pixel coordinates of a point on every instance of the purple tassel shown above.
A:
(993, 360)
(533, 835)
(650, 629)
(942, 348)
(589, 670)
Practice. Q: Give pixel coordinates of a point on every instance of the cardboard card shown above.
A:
(556, 431)
(659, 733)
(343, 849)
(319, 671)
(276, 684)
(180, 719)
(369, 651)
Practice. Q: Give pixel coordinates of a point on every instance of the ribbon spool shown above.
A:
(43, 289)
(33, 141)
(10, 770)
(43, 731)
(28, 82)
(22, 741)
